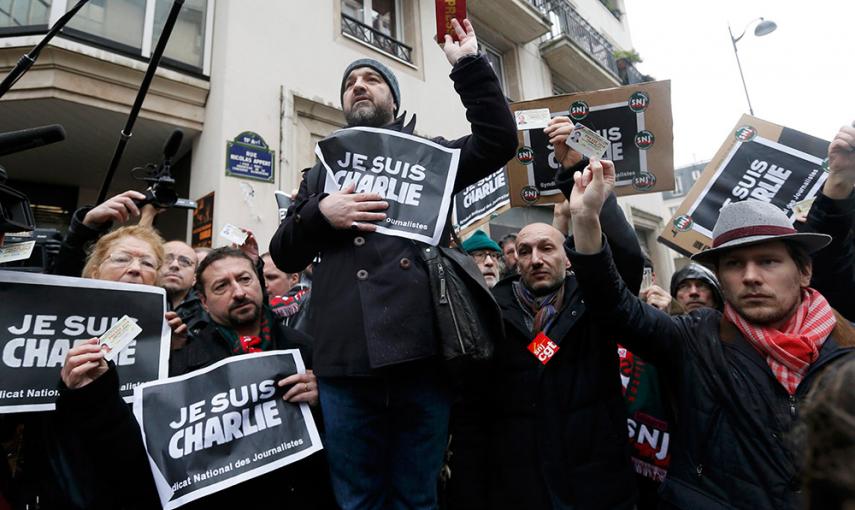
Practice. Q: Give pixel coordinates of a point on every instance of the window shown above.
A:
(129, 27)
(15, 14)
(187, 41)
(678, 185)
(378, 23)
(495, 60)
(695, 175)
(119, 21)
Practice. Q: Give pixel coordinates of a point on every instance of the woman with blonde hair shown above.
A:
(129, 254)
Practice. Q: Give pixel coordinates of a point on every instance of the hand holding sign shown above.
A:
(304, 388)
(83, 364)
(467, 46)
(558, 130)
(841, 164)
(345, 209)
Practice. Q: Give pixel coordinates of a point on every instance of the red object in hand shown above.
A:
(446, 10)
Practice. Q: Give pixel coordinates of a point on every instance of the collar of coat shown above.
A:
(398, 124)
(843, 332)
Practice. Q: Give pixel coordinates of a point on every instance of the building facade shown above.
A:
(684, 178)
(268, 72)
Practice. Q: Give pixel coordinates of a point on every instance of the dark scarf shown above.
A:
(543, 308)
(245, 344)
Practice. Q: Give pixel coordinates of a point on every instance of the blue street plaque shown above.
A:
(248, 156)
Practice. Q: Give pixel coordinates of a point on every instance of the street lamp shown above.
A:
(765, 27)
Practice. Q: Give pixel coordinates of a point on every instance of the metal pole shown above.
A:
(739, 65)
(25, 62)
(127, 132)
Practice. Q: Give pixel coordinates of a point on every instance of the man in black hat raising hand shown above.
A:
(740, 376)
(384, 395)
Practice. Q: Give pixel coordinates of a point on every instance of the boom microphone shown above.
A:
(172, 144)
(16, 141)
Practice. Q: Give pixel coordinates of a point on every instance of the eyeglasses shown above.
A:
(182, 260)
(481, 256)
(124, 259)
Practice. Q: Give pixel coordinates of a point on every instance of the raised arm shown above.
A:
(646, 331)
(833, 213)
(494, 134)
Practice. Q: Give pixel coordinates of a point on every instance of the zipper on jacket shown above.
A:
(443, 295)
(793, 403)
(443, 299)
(700, 470)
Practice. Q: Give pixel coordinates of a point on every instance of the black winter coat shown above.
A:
(371, 295)
(834, 265)
(120, 476)
(734, 446)
(555, 434)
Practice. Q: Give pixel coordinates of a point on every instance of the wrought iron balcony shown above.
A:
(353, 27)
(578, 30)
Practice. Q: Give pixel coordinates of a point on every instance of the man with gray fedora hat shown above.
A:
(739, 376)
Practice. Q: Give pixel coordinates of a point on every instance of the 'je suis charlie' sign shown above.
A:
(249, 156)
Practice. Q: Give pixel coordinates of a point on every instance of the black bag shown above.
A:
(468, 317)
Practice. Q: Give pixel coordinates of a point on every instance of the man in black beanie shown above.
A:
(384, 394)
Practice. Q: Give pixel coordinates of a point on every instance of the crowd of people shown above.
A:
(596, 389)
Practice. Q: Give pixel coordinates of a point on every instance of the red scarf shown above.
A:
(790, 351)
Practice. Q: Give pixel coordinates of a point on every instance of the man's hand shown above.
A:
(83, 364)
(179, 330)
(468, 44)
(656, 296)
(347, 210)
(118, 209)
(591, 187)
(250, 246)
(558, 130)
(841, 164)
(304, 389)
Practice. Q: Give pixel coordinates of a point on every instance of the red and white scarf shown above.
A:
(791, 350)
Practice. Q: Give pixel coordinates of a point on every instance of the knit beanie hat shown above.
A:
(480, 241)
(384, 71)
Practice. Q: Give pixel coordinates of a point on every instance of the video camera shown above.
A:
(161, 191)
(15, 213)
(48, 243)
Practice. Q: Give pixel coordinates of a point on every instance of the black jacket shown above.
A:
(120, 476)
(383, 319)
(834, 265)
(733, 447)
(557, 436)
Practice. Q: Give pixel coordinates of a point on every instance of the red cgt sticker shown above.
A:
(543, 348)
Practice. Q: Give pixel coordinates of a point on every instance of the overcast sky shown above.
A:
(801, 76)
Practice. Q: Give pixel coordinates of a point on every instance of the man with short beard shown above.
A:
(385, 393)
(89, 401)
(741, 376)
(177, 275)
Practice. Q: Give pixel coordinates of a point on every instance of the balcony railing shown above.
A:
(629, 75)
(352, 26)
(574, 26)
(540, 5)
